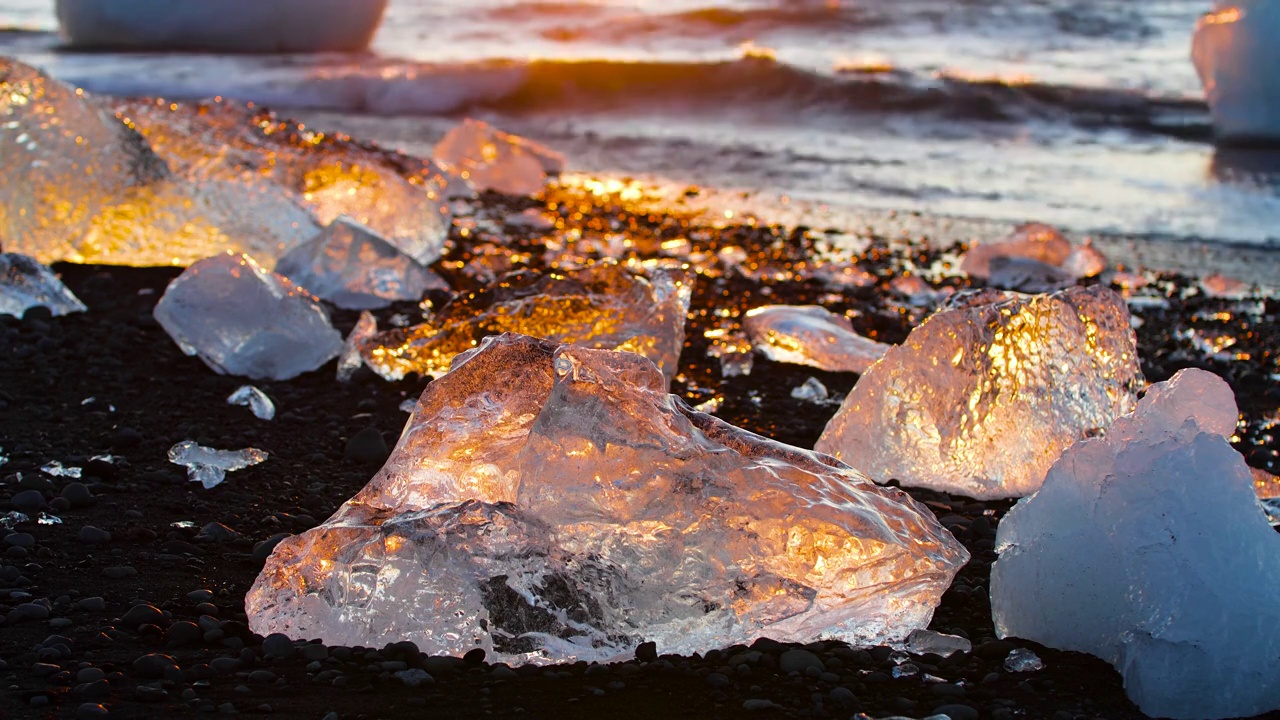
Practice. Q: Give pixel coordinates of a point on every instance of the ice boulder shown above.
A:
(1232, 48)
(602, 305)
(1030, 250)
(811, 335)
(82, 185)
(25, 283)
(493, 160)
(244, 320)
(244, 26)
(986, 393)
(551, 503)
(351, 267)
(1147, 548)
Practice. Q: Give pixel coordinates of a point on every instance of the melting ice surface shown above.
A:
(254, 399)
(1229, 46)
(493, 160)
(985, 394)
(1036, 245)
(243, 320)
(550, 502)
(349, 360)
(351, 267)
(209, 467)
(1147, 548)
(25, 283)
(811, 335)
(602, 305)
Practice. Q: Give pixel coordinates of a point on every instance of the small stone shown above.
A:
(92, 604)
(22, 540)
(184, 633)
(77, 494)
(262, 677)
(756, 704)
(414, 677)
(263, 549)
(1022, 660)
(91, 711)
(367, 447)
(125, 438)
(154, 665)
(277, 645)
(956, 712)
(647, 652)
(474, 657)
(216, 532)
(26, 612)
(142, 614)
(90, 535)
(90, 674)
(797, 660)
(29, 501)
(99, 688)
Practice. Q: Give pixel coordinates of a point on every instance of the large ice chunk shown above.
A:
(401, 198)
(1034, 254)
(493, 160)
(25, 283)
(984, 395)
(243, 320)
(1147, 548)
(351, 267)
(82, 185)
(551, 502)
(811, 335)
(1231, 48)
(602, 305)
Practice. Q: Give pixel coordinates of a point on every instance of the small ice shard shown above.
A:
(56, 469)
(1265, 485)
(811, 335)
(12, 519)
(921, 642)
(985, 394)
(1022, 660)
(550, 503)
(209, 467)
(1229, 46)
(811, 391)
(1027, 276)
(1036, 242)
(25, 283)
(603, 305)
(710, 407)
(733, 350)
(408, 406)
(254, 399)
(1218, 285)
(916, 291)
(46, 519)
(3, 458)
(243, 320)
(349, 361)
(1147, 548)
(493, 160)
(351, 267)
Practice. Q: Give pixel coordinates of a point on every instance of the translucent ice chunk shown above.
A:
(1021, 660)
(603, 305)
(550, 502)
(1147, 548)
(12, 519)
(57, 469)
(1228, 47)
(493, 160)
(254, 399)
(1036, 242)
(81, 184)
(351, 267)
(985, 394)
(25, 283)
(811, 335)
(1027, 275)
(928, 641)
(812, 391)
(209, 467)
(242, 320)
(349, 361)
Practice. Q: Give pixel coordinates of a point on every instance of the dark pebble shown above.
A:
(647, 652)
(277, 645)
(124, 438)
(28, 611)
(91, 711)
(119, 572)
(225, 665)
(142, 614)
(313, 652)
(91, 535)
(263, 549)
(29, 501)
(797, 660)
(262, 677)
(474, 657)
(77, 494)
(200, 596)
(184, 633)
(90, 674)
(92, 604)
(94, 689)
(367, 447)
(154, 665)
(22, 540)
(216, 532)
(956, 712)
(32, 481)
(994, 649)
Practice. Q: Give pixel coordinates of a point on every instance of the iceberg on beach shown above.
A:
(1234, 49)
(551, 503)
(602, 305)
(811, 335)
(985, 394)
(1147, 547)
(25, 283)
(246, 26)
(244, 320)
(494, 160)
(1034, 254)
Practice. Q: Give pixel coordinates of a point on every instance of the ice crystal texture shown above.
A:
(493, 160)
(25, 283)
(402, 199)
(1036, 242)
(811, 335)
(349, 361)
(81, 184)
(254, 399)
(1147, 548)
(549, 502)
(1022, 660)
(351, 267)
(603, 305)
(985, 394)
(209, 467)
(1009, 272)
(243, 320)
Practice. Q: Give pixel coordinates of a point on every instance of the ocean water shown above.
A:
(1082, 113)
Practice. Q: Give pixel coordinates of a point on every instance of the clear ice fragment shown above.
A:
(1027, 276)
(1022, 660)
(12, 519)
(254, 399)
(209, 467)
(25, 283)
(243, 320)
(349, 360)
(493, 160)
(408, 406)
(47, 519)
(1146, 547)
(56, 469)
(921, 642)
(602, 305)
(1041, 245)
(3, 458)
(812, 390)
(1218, 285)
(352, 267)
(986, 393)
(550, 502)
(811, 335)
